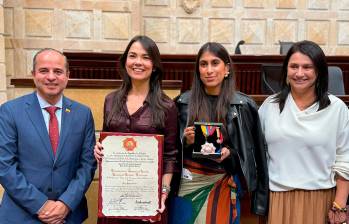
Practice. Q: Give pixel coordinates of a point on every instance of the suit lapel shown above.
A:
(67, 116)
(35, 115)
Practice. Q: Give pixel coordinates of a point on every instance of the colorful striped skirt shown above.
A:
(208, 196)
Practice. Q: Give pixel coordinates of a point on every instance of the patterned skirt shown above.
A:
(210, 196)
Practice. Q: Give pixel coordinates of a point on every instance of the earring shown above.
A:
(226, 75)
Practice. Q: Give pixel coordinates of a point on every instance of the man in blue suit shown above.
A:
(46, 168)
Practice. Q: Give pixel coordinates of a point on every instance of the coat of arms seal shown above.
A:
(129, 144)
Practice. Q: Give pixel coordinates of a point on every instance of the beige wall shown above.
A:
(107, 26)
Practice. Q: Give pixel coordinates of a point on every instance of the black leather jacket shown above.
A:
(247, 140)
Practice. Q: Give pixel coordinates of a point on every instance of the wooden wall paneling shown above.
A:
(247, 78)
(247, 68)
(179, 71)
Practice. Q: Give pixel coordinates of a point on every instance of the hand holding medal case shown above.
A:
(208, 140)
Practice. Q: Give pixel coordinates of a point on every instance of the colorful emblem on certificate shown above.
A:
(208, 140)
(130, 175)
(129, 144)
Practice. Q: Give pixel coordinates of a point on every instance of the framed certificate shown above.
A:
(130, 175)
(208, 140)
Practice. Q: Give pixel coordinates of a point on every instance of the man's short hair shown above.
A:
(66, 64)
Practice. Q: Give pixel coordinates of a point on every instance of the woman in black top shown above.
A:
(209, 189)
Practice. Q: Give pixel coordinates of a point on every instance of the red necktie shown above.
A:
(53, 127)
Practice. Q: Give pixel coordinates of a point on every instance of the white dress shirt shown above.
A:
(43, 104)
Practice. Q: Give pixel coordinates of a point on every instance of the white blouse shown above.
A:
(306, 149)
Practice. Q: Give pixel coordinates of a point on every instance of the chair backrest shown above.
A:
(271, 78)
(285, 46)
(335, 80)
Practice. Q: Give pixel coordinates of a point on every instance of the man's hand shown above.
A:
(47, 208)
(55, 214)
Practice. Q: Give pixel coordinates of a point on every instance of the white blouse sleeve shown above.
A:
(341, 166)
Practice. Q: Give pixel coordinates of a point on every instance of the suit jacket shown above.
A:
(29, 171)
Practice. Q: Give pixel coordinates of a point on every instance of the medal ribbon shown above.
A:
(210, 129)
(219, 135)
(204, 130)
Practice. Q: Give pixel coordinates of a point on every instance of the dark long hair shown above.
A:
(156, 97)
(317, 56)
(199, 106)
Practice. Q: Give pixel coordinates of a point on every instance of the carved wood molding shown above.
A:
(189, 6)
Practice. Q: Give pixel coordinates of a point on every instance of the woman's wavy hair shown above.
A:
(156, 96)
(199, 103)
(317, 56)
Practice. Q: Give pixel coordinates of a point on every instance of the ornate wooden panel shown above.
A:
(247, 68)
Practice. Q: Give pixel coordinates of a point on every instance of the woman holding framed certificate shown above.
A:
(140, 106)
(229, 125)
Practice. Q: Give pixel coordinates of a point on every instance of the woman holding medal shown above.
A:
(307, 131)
(209, 189)
(140, 106)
